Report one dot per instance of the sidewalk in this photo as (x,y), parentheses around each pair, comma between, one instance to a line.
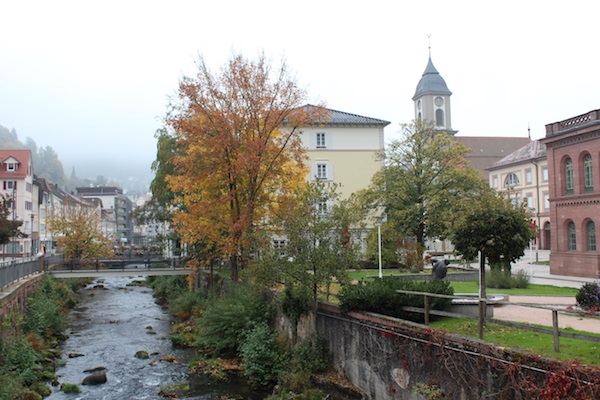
(517,308)
(540,274)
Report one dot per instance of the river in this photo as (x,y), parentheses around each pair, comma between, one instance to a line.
(111,323)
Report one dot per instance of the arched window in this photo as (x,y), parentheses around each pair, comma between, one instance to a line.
(569,182)
(439,117)
(511,181)
(591,236)
(572,238)
(588,173)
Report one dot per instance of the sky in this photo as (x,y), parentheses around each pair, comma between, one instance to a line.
(93,79)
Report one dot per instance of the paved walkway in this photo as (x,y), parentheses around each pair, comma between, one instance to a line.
(517,309)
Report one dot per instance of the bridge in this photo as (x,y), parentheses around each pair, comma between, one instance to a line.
(14,270)
(98,273)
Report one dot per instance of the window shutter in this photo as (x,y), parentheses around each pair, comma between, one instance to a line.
(15,185)
(4,185)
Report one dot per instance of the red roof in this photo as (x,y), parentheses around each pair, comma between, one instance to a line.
(22,158)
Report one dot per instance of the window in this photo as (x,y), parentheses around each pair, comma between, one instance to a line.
(321,140)
(495,181)
(11,167)
(28,206)
(569,182)
(10,185)
(572,238)
(29,187)
(279,246)
(322,171)
(529,200)
(516,199)
(511,181)
(546,201)
(588,173)
(528,177)
(439,117)
(322,208)
(545,174)
(591,236)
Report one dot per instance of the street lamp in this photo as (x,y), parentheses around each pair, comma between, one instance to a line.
(379,249)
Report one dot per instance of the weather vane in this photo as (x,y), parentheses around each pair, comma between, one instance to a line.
(429,45)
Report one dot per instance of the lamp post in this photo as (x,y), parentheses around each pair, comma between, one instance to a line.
(379,249)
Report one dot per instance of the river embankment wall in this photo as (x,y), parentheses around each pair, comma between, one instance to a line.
(13,299)
(389,358)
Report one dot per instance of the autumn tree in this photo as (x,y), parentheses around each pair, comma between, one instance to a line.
(9,228)
(79,233)
(236,158)
(424,176)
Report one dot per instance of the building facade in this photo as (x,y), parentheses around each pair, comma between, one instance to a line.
(344,149)
(117,212)
(523,176)
(16,183)
(573,147)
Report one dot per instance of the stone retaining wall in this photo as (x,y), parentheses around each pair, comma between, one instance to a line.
(388,358)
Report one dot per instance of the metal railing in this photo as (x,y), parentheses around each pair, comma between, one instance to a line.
(16,269)
(482,302)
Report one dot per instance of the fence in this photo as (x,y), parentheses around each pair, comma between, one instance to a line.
(555,332)
(17,269)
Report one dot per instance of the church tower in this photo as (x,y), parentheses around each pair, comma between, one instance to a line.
(432,99)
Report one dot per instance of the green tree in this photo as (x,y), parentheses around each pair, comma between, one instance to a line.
(8,227)
(424,176)
(322,235)
(493,225)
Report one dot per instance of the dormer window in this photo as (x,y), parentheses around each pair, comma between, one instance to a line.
(321,140)
(11,167)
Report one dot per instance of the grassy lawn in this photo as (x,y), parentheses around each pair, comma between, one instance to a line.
(532,342)
(473,287)
(532,290)
(537,343)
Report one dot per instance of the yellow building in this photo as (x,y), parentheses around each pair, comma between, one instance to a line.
(344,150)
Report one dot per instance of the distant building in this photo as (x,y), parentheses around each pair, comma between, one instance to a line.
(117,211)
(523,175)
(573,147)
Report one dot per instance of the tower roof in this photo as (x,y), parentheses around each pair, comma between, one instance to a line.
(431,83)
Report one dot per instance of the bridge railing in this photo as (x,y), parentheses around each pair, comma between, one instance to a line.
(64,264)
(16,269)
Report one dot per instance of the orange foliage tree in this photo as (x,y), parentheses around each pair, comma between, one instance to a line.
(79,233)
(238,132)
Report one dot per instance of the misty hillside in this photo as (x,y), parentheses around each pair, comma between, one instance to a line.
(47,164)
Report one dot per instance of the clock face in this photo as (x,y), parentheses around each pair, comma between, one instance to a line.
(439,101)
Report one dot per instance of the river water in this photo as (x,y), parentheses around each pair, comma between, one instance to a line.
(112,322)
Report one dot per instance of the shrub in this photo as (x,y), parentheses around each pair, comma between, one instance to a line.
(499,279)
(381,296)
(312,355)
(226,319)
(187,303)
(588,296)
(168,287)
(263,358)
